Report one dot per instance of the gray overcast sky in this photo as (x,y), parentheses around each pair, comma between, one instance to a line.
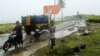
(12,10)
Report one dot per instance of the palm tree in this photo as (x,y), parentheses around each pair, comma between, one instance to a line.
(61,3)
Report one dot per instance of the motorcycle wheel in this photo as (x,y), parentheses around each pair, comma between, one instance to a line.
(6,46)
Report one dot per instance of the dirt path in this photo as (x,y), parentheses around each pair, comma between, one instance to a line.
(32,49)
(29,48)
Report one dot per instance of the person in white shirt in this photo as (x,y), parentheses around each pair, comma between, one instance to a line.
(52,36)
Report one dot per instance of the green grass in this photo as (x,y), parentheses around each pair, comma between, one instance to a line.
(93,45)
(59,22)
(92,42)
(4,28)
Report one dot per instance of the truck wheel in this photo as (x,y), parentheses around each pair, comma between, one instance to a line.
(28,32)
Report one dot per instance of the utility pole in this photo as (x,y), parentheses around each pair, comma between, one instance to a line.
(62,15)
(61,3)
(54,5)
(77,12)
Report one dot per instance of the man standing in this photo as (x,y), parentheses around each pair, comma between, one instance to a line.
(52,36)
(18,30)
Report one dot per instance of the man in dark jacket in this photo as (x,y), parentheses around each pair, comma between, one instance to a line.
(18,30)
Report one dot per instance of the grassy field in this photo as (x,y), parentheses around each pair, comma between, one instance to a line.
(4,28)
(59,21)
(92,42)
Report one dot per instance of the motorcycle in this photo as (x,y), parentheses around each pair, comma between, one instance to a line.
(10,42)
(35,35)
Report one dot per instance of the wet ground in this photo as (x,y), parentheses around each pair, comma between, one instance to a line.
(61,31)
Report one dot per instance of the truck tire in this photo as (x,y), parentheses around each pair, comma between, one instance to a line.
(28,32)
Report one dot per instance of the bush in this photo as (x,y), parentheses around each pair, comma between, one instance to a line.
(61,50)
(94,19)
